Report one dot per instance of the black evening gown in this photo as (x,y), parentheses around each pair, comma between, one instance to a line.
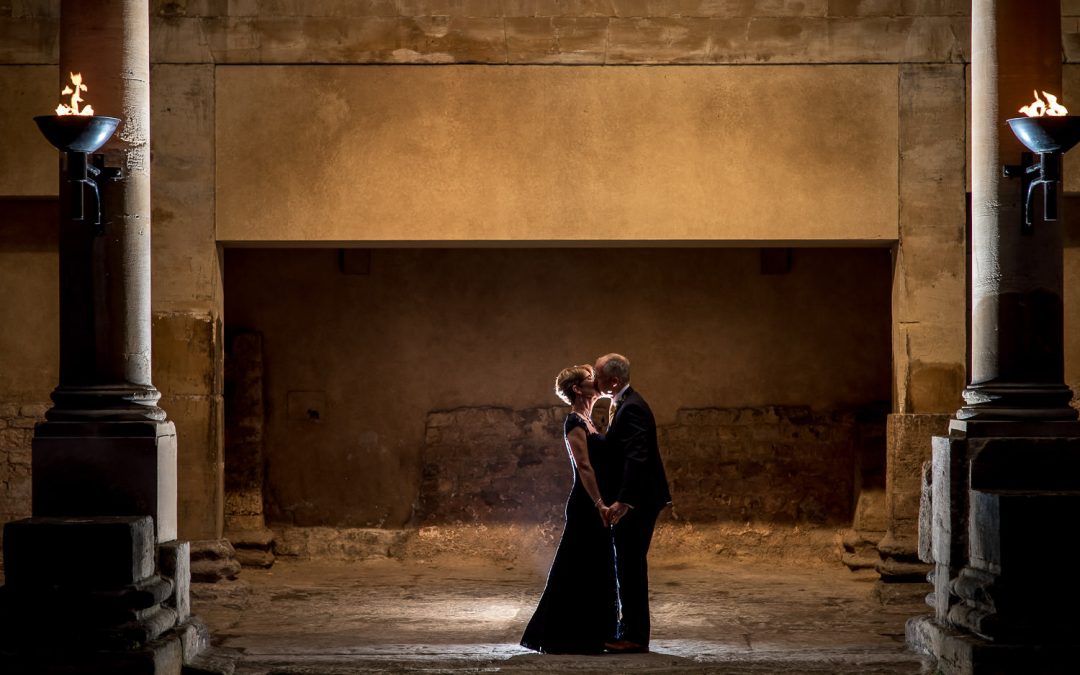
(578,610)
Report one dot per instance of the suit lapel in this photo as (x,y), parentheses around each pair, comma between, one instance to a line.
(625,398)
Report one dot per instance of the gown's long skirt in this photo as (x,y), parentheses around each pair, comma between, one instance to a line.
(578,610)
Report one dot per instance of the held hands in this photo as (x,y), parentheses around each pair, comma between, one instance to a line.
(616,511)
(605,513)
(611,515)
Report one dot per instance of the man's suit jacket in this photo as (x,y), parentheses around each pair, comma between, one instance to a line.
(636,471)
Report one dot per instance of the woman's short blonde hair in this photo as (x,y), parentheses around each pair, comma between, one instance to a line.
(569,378)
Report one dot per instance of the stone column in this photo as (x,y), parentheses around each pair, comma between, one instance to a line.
(101,546)
(1005,482)
(105,414)
(1017,339)
(105,277)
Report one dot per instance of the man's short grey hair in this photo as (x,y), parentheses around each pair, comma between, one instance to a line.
(616,365)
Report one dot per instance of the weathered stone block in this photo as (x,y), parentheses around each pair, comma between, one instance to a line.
(75,471)
(926,514)
(337,543)
(98,552)
(940,7)
(788,40)
(174,563)
(13,439)
(658,40)
(187,353)
(243,502)
(34,410)
(199,459)
(865,7)
(556,40)
(29,40)
(213,560)
(451,39)
(909,446)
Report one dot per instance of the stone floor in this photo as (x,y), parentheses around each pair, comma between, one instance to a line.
(456,616)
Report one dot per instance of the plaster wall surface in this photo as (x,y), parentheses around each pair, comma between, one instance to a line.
(27,91)
(476,153)
(354,364)
(29,286)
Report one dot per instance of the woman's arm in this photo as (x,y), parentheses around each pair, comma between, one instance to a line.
(579,451)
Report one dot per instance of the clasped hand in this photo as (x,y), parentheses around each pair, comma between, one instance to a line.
(612,514)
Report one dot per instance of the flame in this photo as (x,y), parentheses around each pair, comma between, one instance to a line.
(75,89)
(1051,107)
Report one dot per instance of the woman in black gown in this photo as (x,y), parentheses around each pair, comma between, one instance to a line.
(578,610)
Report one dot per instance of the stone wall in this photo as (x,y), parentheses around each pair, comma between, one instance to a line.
(780,465)
(17,420)
(494,465)
(773,464)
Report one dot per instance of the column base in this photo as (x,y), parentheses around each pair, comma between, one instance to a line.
(1017,402)
(213,561)
(161,657)
(106,469)
(94,595)
(105,403)
(960,653)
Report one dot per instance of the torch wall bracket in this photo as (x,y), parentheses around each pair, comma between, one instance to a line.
(1045,172)
(83,177)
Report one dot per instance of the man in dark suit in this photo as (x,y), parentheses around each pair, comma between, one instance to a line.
(637,492)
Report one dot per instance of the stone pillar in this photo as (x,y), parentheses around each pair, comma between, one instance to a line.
(1005,482)
(105,278)
(101,546)
(105,412)
(928,344)
(1017,338)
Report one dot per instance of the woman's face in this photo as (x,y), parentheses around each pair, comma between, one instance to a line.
(587,390)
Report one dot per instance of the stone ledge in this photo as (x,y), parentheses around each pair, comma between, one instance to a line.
(511,542)
(634,38)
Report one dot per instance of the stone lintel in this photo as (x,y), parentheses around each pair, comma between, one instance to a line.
(100,552)
(106,469)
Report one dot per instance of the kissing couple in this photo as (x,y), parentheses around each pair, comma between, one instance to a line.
(597,594)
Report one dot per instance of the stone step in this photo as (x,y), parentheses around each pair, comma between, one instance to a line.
(260,539)
(338,543)
(254,558)
(212,570)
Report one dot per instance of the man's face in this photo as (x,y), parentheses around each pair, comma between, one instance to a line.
(604,382)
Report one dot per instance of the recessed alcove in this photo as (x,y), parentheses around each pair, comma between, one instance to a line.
(412,387)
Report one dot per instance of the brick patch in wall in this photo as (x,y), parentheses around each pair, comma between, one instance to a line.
(494,465)
(786,465)
(774,464)
(17,422)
